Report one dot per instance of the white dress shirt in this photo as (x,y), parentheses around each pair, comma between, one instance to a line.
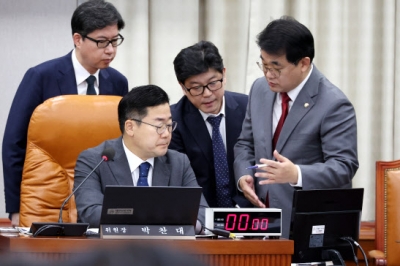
(81,74)
(134,163)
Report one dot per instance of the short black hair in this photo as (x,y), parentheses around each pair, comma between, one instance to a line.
(93,15)
(287,36)
(135,103)
(197,59)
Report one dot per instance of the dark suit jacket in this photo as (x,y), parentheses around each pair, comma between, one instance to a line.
(172,169)
(319,135)
(49,79)
(192,138)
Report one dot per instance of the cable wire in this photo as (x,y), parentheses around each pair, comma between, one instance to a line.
(352,248)
(45,227)
(359,246)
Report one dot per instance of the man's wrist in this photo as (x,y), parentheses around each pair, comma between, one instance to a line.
(238,184)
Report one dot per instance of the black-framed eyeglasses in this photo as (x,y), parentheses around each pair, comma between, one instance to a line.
(199,90)
(274,72)
(104,43)
(161,128)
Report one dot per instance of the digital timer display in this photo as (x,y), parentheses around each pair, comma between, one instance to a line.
(245,221)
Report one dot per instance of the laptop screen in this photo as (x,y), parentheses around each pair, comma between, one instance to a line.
(150,205)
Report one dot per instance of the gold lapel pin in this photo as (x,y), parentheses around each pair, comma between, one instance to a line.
(306,105)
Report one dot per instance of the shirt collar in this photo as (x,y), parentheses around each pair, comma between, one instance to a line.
(81,74)
(293,93)
(133,160)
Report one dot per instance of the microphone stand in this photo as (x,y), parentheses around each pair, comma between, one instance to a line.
(60,220)
(68,229)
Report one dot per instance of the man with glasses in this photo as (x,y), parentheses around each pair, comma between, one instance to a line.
(85,70)
(300,130)
(209,146)
(141,156)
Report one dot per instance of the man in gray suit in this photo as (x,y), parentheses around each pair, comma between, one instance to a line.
(146,124)
(317,144)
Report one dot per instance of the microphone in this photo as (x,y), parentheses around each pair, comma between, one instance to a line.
(107,154)
(70,229)
(221,232)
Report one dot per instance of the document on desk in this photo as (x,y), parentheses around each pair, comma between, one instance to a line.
(9,231)
(327,263)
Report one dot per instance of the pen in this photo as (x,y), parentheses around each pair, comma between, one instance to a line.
(256,166)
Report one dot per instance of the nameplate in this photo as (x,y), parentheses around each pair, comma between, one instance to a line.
(120,231)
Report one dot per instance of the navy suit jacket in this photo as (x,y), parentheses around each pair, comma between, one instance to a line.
(49,79)
(192,138)
(172,169)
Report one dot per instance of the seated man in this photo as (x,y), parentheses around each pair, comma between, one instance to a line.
(146,124)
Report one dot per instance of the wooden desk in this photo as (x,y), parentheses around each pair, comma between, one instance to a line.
(367,240)
(212,252)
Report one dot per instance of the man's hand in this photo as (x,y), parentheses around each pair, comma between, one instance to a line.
(15,219)
(246,184)
(280,171)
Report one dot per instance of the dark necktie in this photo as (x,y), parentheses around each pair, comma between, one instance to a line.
(220,164)
(143,173)
(90,85)
(285,111)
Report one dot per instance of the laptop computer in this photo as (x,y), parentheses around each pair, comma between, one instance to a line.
(130,205)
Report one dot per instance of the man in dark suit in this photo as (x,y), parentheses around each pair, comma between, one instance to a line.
(202,77)
(85,70)
(146,124)
(317,144)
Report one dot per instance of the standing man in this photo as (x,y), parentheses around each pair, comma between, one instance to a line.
(141,156)
(85,70)
(301,126)
(210,120)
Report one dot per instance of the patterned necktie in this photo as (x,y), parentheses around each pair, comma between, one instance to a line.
(220,164)
(285,111)
(90,85)
(143,173)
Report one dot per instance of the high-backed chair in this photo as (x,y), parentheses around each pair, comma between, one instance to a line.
(387,216)
(59,130)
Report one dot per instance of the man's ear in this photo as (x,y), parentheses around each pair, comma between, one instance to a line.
(77,38)
(184,90)
(305,63)
(224,75)
(130,127)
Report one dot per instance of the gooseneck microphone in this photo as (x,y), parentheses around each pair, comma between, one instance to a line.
(69,229)
(107,154)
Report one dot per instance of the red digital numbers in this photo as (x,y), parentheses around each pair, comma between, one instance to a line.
(243,224)
(230,222)
(256,225)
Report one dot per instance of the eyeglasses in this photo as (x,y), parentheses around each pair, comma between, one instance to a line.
(104,43)
(274,72)
(161,128)
(199,90)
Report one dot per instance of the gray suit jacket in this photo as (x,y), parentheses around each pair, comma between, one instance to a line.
(319,135)
(172,169)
